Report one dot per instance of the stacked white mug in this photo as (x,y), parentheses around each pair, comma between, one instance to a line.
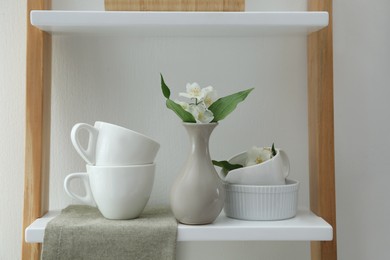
(120,169)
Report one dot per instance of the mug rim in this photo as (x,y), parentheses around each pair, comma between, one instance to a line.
(129,130)
(121,166)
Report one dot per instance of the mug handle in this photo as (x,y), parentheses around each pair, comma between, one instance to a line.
(88,198)
(286,163)
(87,154)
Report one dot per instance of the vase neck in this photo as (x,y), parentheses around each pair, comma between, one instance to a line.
(199,135)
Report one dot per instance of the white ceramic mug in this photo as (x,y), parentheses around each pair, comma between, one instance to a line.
(112,145)
(271,172)
(120,192)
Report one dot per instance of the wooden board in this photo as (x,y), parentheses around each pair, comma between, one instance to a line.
(38,74)
(321,130)
(175,5)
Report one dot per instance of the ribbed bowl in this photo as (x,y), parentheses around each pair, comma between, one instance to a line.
(271,202)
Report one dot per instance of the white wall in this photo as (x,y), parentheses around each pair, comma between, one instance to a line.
(12,114)
(362,127)
(276,67)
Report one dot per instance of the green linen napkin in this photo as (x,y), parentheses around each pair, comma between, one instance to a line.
(81,232)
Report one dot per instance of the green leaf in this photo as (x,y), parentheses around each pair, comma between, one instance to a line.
(226,166)
(225,105)
(184,115)
(273,150)
(165,90)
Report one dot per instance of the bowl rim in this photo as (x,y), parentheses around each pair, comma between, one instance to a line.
(291,184)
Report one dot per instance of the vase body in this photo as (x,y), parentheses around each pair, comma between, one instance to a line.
(197,195)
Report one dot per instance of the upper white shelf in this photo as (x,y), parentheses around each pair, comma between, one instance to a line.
(305,226)
(180,23)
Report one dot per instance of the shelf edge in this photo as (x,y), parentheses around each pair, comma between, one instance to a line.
(304,227)
(172,23)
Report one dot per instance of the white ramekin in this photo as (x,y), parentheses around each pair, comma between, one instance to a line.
(268,202)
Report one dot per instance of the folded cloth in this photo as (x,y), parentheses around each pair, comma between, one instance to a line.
(81,232)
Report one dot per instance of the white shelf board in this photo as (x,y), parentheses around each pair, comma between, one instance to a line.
(179,23)
(306,226)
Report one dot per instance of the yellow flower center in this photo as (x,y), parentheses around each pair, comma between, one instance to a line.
(259,160)
(201,116)
(208,101)
(195,91)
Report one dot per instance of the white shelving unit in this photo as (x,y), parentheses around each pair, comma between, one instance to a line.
(305,226)
(180,23)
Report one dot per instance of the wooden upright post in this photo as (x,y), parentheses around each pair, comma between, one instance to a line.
(38,77)
(321,129)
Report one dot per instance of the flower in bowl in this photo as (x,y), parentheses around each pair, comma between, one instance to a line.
(257,166)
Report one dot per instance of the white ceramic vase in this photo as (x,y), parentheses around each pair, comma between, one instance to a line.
(197,195)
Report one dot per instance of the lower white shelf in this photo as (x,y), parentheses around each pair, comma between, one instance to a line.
(306,226)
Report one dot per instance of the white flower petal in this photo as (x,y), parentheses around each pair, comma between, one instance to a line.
(251,156)
(193,110)
(200,113)
(205,117)
(182,94)
(210,96)
(207,89)
(184,105)
(194,90)
(258,155)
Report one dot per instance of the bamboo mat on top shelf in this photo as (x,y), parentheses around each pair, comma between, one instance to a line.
(175,5)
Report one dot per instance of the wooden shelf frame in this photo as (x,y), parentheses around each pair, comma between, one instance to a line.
(320,120)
